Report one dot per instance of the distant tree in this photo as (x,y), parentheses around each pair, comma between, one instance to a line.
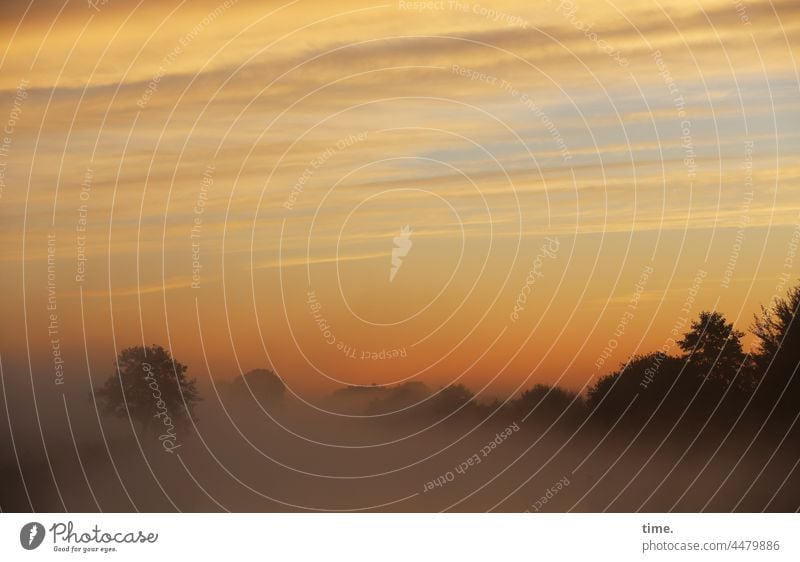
(262,384)
(714,348)
(398,397)
(449,399)
(353,399)
(151,388)
(546,403)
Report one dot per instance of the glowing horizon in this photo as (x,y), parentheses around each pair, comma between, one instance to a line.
(189,175)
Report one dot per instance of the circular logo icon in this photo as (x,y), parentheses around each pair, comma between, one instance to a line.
(31,535)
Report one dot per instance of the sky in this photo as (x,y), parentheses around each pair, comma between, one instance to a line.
(498,193)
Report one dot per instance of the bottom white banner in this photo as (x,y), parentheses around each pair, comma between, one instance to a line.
(355,537)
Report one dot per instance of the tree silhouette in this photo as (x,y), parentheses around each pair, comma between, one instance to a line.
(151,388)
(779,356)
(263,385)
(453,398)
(638,387)
(776,329)
(398,397)
(714,347)
(545,404)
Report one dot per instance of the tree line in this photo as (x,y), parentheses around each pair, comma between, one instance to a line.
(712,382)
